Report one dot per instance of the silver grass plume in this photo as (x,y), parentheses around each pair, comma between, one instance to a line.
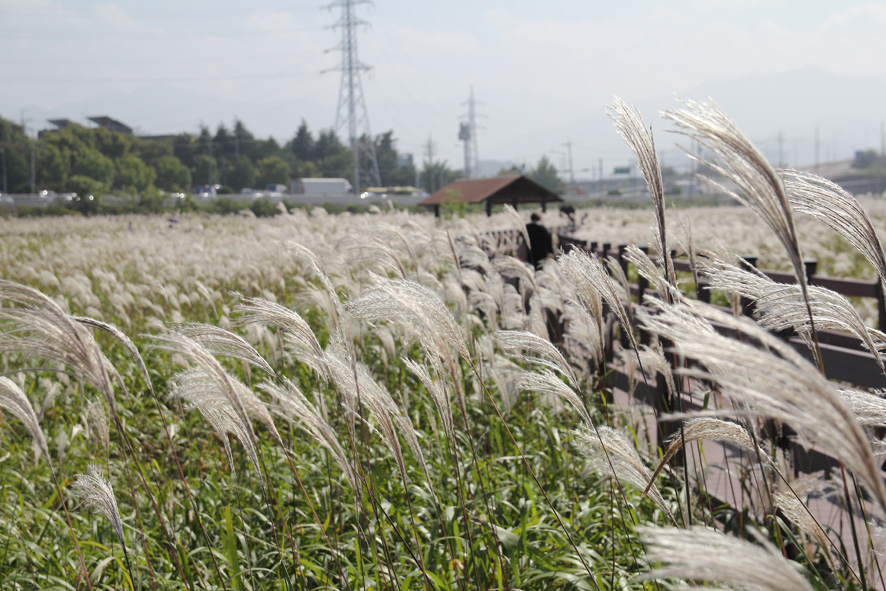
(438,392)
(364,258)
(405,241)
(95,411)
(798,514)
(648,269)
(473,257)
(320,270)
(783,385)
(518,222)
(417,309)
(630,126)
(296,330)
(125,340)
(583,329)
(390,419)
(610,452)
(869,409)
(828,202)
(546,353)
(52,391)
(223,343)
(652,359)
(781,306)
(37,326)
(514,267)
(14,401)
(201,391)
(293,406)
(456,262)
(618,272)
(704,428)
(212,369)
(708,555)
(760,187)
(592,282)
(97,493)
(547,382)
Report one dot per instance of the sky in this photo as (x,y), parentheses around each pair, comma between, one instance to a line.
(542,72)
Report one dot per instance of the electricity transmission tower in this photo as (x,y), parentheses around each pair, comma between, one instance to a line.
(350,97)
(467,133)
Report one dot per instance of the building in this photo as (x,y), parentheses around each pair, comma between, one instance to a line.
(111,124)
(512,190)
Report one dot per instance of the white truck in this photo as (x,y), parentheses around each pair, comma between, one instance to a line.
(311,186)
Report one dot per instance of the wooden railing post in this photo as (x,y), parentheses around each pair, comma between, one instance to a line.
(622,261)
(881,305)
(810,266)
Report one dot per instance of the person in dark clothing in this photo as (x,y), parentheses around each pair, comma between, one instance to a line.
(540,243)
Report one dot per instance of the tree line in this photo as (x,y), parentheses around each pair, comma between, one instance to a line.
(97,161)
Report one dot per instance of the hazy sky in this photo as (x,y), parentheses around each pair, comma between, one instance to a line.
(543,71)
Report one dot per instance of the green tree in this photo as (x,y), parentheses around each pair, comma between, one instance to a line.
(52,166)
(151,150)
(184,147)
(15,157)
(302,144)
(89,162)
(545,174)
(133,175)
(242,174)
(112,144)
(273,171)
(436,175)
(172,175)
(205,170)
(305,170)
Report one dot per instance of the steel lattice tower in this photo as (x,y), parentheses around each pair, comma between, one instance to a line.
(350,97)
(467,133)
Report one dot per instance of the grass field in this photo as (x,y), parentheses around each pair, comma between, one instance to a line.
(371,401)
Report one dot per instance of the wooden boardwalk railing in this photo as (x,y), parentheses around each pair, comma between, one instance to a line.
(844,359)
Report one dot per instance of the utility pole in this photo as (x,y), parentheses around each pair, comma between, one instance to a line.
(350,96)
(469,129)
(568,145)
(780,149)
(600,178)
(882,139)
(25,131)
(33,163)
(429,164)
(816,150)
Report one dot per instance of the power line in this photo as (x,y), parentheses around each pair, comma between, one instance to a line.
(62,61)
(43,35)
(114,79)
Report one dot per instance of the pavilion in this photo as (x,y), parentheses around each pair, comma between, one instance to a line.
(512,190)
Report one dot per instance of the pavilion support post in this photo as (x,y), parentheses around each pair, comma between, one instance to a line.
(544,204)
(436,211)
(488,207)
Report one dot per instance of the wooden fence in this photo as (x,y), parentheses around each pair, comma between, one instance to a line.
(843,356)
